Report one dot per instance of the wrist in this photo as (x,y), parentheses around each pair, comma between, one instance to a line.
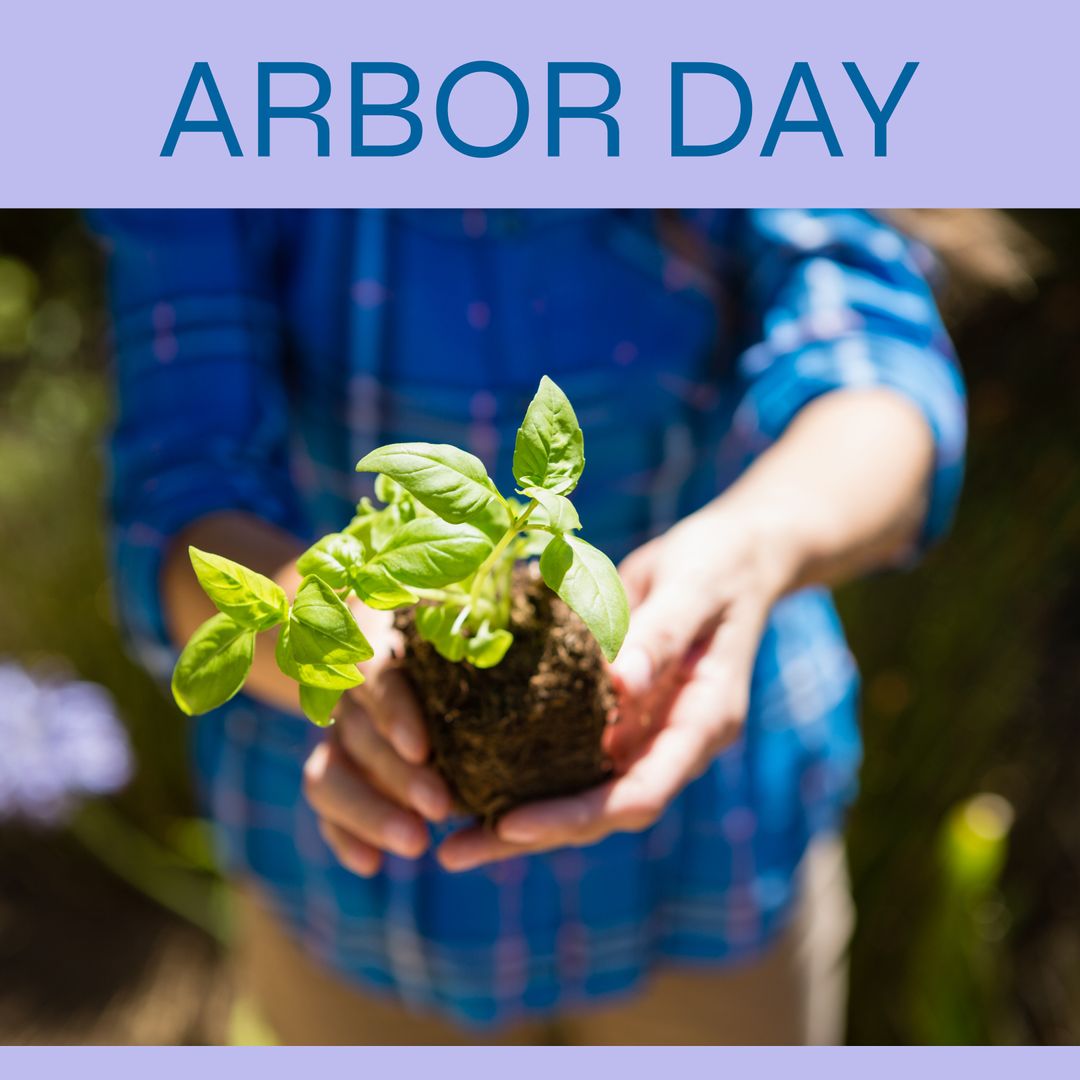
(777,548)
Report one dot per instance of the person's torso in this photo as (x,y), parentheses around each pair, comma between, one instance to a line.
(437,326)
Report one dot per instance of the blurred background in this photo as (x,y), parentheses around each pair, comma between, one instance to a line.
(965,843)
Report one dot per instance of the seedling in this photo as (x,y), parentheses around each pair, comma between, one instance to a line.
(444,540)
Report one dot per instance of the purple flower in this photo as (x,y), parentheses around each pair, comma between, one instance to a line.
(60,741)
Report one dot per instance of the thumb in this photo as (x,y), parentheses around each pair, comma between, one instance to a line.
(663,630)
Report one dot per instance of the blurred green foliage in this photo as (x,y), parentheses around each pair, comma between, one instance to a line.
(56,609)
(955,976)
(970,665)
(953,658)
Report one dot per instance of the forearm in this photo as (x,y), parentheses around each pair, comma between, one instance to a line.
(843,491)
(256,544)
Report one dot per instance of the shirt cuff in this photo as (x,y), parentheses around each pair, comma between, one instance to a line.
(925,375)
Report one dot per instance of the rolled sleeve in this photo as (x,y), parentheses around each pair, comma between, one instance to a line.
(202,417)
(839,301)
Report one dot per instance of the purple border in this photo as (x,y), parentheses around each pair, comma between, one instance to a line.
(537,1063)
(87,92)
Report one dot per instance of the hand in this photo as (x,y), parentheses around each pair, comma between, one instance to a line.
(368,781)
(700,596)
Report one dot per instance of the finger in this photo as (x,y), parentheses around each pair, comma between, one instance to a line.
(662,631)
(701,705)
(411,785)
(717,693)
(714,702)
(638,722)
(636,571)
(338,793)
(725,666)
(351,852)
(470,848)
(396,712)
(629,803)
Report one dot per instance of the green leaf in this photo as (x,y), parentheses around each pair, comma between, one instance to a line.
(430,553)
(437,626)
(532,543)
(487,647)
(322,676)
(587,581)
(549,451)
(248,598)
(378,589)
(213,665)
(555,511)
(448,481)
(329,676)
(360,526)
(319,705)
(322,630)
(332,558)
(374,528)
(388,490)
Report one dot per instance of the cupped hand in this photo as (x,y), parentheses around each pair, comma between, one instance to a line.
(369,781)
(700,596)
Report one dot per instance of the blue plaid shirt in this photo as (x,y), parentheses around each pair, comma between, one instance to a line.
(259,355)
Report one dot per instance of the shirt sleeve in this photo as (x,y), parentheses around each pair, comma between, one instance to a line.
(202,420)
(838,299)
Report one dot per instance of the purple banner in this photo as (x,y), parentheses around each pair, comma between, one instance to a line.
(538,1062)
(89,92)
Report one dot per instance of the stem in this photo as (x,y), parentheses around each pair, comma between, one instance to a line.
(504,541)
(505,590)
(440,596)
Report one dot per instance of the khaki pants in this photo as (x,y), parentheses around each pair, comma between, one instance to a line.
(795,993)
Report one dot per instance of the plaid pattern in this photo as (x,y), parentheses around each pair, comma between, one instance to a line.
(260,354)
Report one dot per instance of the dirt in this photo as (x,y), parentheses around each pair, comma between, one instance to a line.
(529,728)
